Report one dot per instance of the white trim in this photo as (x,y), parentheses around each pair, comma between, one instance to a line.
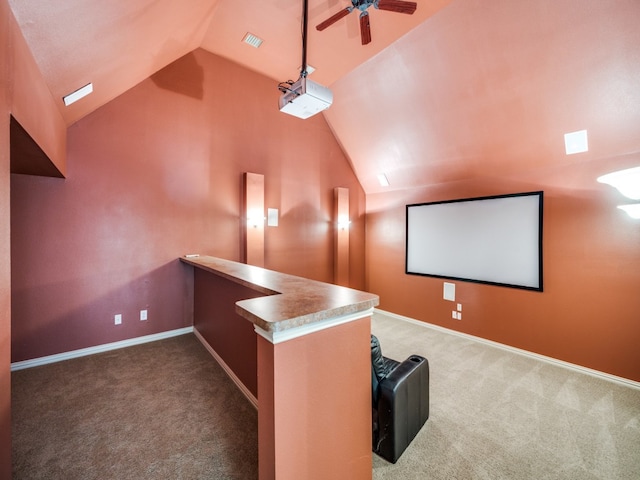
(309,328)
(83,352)
(247,393)
(571,366)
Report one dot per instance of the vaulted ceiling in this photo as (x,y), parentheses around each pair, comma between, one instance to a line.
(460,89)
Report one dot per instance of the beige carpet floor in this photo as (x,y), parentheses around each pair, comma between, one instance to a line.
(500,415)
(166,410)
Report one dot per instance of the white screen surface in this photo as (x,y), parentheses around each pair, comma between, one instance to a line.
(495,240)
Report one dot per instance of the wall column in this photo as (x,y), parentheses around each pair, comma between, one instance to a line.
(341,225)
(314,405)
(254,218)
(5,244)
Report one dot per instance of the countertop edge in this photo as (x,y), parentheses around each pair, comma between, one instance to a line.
(290,301)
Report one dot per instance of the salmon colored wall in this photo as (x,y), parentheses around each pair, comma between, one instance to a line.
(5,264)
(317,393)
(32,104)
(588,312)
(253,207)
(24,95)
(153,175)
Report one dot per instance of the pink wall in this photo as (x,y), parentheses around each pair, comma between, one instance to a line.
(314,420)
(587,314)
(32,104)
(153,175)
(5,265)
(23,94)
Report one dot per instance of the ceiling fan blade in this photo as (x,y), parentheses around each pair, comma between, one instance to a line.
(365,28)
(399,6)
(334,18)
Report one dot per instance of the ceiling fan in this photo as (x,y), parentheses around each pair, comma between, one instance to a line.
(398,6)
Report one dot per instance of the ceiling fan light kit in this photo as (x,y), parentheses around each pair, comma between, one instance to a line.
(398,6)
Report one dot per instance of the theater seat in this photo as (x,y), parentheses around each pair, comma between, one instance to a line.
(400,395)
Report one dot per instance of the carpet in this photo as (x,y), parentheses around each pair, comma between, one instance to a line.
(495,414)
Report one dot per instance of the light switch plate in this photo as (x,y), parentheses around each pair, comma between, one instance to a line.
(272,217)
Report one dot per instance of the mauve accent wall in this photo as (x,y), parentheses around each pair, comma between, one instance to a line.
(588,312)
(231,336)
(153,175)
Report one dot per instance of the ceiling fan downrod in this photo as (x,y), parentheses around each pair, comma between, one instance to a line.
(305,21)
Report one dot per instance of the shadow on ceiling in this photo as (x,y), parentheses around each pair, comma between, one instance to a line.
(184,76)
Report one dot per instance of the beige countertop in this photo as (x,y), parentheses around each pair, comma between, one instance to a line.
(289,301)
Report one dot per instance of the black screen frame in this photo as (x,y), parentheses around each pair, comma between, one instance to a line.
(540,205)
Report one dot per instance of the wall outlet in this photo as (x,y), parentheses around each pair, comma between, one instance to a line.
(117,318)
(143,315)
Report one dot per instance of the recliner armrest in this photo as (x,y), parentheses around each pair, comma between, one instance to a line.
(403,406)
(402,371)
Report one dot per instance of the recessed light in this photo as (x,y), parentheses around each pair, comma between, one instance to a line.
(78,94)
(576,142)
(251,39)
(382,178)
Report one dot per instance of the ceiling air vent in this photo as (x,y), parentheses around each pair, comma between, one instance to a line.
(252,40)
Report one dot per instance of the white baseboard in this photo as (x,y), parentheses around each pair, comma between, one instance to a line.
(577,368)
(247,393)
(59,357)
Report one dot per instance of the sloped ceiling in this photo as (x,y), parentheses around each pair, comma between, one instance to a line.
(489,88)
(460,89)
(116,44)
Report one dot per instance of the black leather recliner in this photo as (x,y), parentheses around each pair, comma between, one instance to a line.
(400,394)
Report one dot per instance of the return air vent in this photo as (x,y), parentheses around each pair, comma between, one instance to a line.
(252,40)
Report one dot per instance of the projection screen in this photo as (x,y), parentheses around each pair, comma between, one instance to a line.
(495,240)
